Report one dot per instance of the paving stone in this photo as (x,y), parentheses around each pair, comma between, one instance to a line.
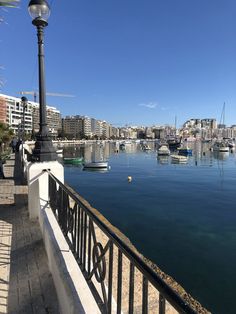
(26,285)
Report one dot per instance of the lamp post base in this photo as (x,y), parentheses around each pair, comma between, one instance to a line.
(44,150)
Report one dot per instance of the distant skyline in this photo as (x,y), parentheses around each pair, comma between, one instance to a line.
(128,62)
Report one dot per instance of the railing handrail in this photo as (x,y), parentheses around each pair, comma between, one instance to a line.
(166,290)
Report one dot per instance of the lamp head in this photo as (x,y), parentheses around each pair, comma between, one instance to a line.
(40,11)
(24,99)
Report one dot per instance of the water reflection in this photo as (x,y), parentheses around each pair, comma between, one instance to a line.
(96,169)
(221,155)
(102,151)
(163,160)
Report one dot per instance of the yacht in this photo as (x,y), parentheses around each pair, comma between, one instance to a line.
(163,150)
(179,159)
(185,151)
(220,146)
(96,164)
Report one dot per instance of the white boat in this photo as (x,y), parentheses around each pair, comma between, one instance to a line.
(231,144)
(220,146)
(128,142)
(96,165)
(59,151)
(146,147)
(163,150)
(179,158)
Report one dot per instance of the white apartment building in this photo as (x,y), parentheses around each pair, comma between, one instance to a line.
(12,113)
(86,127)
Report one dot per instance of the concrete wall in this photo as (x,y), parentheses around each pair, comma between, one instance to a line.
(73,293)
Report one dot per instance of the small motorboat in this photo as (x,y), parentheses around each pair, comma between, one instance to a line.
(185,151)
(179,159)
(231,144)
(146,147)
(163,150)
(59,151)
(221,146)
(122,146)
(73,160)
(96,165)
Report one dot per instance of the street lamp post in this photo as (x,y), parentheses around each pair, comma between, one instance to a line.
(39,10)
(24,101)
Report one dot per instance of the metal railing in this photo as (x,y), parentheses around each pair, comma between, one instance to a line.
(121,279)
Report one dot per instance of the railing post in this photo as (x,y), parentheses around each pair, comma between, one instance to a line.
(38,184)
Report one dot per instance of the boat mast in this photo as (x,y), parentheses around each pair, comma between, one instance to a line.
(175,124)
(222,117)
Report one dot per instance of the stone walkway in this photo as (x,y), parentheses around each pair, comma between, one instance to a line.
(26,285)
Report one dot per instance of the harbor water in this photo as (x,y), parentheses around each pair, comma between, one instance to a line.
(180,216)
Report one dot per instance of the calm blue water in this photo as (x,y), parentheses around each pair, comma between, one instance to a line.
(182,217)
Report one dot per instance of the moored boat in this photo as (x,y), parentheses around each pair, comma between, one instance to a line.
(96,164)
(59,151)
(231,144)
(185,151)
(73,160)
(122,146)
(163,150)
(220,146)
(179,159)
(146,147)
(174,143)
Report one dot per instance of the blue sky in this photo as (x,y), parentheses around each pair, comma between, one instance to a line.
(128,62)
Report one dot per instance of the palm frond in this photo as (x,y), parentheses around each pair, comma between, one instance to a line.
(9,3)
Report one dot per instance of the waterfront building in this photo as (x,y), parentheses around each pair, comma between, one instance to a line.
(133,133)
(86,127)
(3,110)
(11,112)
(199,128)
(149,133)
(86,130)
(209,123)
(233,131)
(115,132)
(196,123)
(53,119)
(124,132)
(140,133)
(72,126)
(98,130)
(159,132)
(93,126)
(106,130)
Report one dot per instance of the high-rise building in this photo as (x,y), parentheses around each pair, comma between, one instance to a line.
(12,113)
(12,109)
(3,110)
(86,127)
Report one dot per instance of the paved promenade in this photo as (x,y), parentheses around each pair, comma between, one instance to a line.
(26,284)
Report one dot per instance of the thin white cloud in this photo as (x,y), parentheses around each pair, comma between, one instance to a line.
(150,105)
(164,108)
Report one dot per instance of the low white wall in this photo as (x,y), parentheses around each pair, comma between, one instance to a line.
(73,293)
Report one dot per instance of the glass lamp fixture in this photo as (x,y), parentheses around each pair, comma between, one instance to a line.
(39,10)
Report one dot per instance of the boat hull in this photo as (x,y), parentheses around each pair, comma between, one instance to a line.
(185,152)
(179,159)
(72,161)
(96,165)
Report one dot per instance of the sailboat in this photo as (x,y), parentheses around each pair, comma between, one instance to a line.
(222,118)
(220,145)
(174,142)
(96,164)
